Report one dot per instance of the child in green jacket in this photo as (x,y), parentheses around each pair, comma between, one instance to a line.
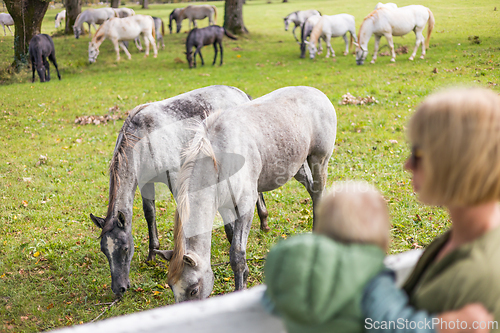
(324,282)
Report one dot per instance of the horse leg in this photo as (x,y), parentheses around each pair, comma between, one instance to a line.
(221,52)
(391,45)
(138,44)
(329,47)
(419,38)
(201,57)
(53,59)
(153,44)
(33,67)
(293,32)
(318,165)
(124,48)
(320,48)
(4,32)
(9,30)
(262,211)
(304,177)
(147,41)
(237,251)
(148,206)
(346,40)
(375,51)
(47,68)
(215,50)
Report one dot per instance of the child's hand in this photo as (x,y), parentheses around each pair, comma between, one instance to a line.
(473,316)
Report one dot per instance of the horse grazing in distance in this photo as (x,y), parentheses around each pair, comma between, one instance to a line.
(332,26)
(148,151)
(307,28)
(40,48)
(6,20)
(174,15)
(205,36)
(197,12)
(235,154)
(59,17)
(160,31)
(124,29)
(388,5)
(298,18)
(394,22)
(92,17)
(124,12)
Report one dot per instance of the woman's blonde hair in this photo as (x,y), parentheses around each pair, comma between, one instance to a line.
(354,212)
(458,134)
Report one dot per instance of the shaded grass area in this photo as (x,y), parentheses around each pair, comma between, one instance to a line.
(52,272)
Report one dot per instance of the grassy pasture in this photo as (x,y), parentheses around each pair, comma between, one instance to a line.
(52,272)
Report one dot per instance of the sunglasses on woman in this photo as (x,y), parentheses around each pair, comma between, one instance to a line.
(416,155)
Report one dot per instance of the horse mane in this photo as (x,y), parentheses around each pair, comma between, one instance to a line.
(126,140)
(181,14)
(316,32)
(199,144)
(369,16)
(77,21)
(98,37)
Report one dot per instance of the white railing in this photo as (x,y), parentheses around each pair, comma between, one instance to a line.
(239,311)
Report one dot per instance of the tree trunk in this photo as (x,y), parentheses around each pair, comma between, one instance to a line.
(73,9)
(233,17)
(145,4)
(27,16)
(285,0)
(115,3)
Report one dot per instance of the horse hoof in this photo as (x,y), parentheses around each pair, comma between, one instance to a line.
(265,228)
(411,59)
(372,62)
(346,53)
(394,60)
(421,57)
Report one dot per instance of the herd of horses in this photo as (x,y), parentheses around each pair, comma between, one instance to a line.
(387,20)
(215,148)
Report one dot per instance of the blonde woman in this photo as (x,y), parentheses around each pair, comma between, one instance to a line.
(455,162)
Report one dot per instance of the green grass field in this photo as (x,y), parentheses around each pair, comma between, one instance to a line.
(52,272)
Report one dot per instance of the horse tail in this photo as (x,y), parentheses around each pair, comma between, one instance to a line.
(228,34)
(199,144)
(153,30)
(430,26)
(316,31)
(215,14)
(162,28)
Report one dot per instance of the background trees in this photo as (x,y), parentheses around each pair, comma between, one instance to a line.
(27,16)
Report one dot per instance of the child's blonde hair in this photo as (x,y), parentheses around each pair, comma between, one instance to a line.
(354,212)
(458,134)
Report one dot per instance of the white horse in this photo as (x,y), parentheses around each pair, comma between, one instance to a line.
(388,5)
(92,16)
(197,12)
(298,18)
(394,22)
(59,17)
(332,26)
(124,12)
(6,20)
(124,29)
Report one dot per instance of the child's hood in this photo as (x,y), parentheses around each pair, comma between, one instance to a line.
(310,278)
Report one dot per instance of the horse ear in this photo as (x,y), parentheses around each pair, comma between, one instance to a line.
(98,221)
(164,254)
(121,220)
(190,260)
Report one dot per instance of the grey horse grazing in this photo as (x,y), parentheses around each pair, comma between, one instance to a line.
(174,15)
(205,36)
(147,151)
(298,18)
(197,12)
(42,47)
(235,154)
(92,17)
(6,20)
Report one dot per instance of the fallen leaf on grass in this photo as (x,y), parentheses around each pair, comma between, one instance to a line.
(350,99)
